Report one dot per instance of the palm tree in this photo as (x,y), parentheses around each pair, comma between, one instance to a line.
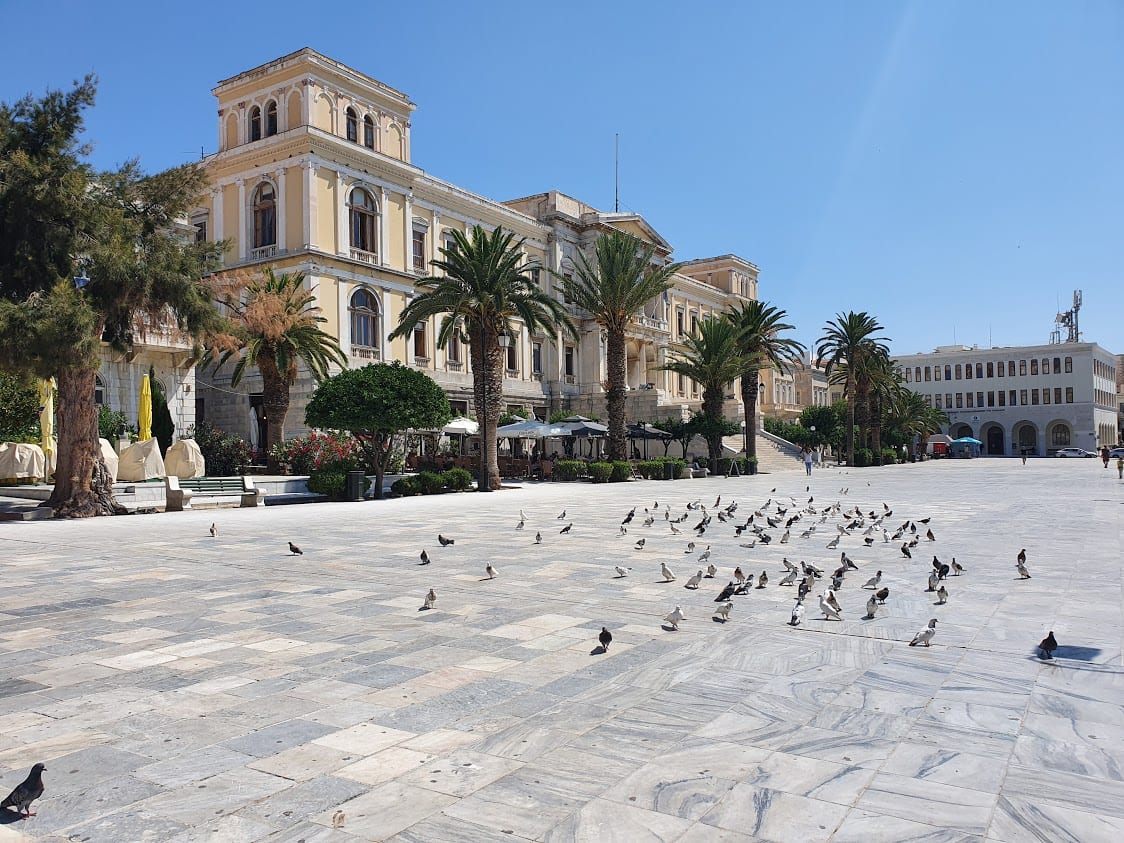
(884,386)
(273,324)
(758,325)
(710,358)
(613,288)
(844,344)
(484,286)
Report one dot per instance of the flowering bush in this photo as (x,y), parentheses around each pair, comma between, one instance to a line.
(334,450)
(225,453)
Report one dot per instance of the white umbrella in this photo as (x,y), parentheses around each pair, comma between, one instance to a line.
(255,429)
(530,429)
(462,425)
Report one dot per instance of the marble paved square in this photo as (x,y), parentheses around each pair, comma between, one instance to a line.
(183,688)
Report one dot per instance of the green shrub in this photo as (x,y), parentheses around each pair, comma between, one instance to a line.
(457,479)
(863,457)
(225,453)
(650,469)
(889,456)
(621,472)
(330,483)
(112,424)
(405,486)
(600,472)
(431,483)
(569,470)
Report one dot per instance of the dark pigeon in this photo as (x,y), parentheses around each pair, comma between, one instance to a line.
(296,551)
(27,792)
(606,638)
(444,542)
(1046,646)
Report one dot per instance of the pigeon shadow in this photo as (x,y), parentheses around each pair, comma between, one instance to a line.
(668,628)
(423,608)
(598,651)
(1071,653)
(717,619)
(8,816)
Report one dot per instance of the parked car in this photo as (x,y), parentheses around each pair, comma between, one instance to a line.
(1116,452)
(1073,452)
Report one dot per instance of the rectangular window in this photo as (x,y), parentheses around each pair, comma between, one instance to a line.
(536,277)
(683,384)
(1034,397)
(536,358)
(1069,365)
(1045,396)
(201,231)
(1000,370)
(418,242)
(938,398)
(936,373)
(947,372)
(1034,366)
(979,370)
(1057,395)
(948,400)
(420,346)
(694,325)
(1022,397)
(958,371)
(928,400)
(1069,395)
(990,399)
(1045,365)
(453,349)
(679,327)
(990,368)
(979,399)
(928,376)
(959,400)
(1002,398)
(1022,368)
(967,371)
(569,361)
(971,401)
(1011,398)
(513,355)
(917,373)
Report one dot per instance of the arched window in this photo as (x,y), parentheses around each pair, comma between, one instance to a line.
(352,126)
(368,132)
(270,119)
(361,209)
(364,321)
(265,216)
(1060,437)
(99,391)
(255,123)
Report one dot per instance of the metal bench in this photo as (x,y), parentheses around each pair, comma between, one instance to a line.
(248,494)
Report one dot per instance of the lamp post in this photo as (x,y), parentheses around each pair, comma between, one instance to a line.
(485,484)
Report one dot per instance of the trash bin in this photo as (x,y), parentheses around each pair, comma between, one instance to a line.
(669,470)
(353,490)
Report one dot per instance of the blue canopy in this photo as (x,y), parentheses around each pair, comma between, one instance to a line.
(967,440)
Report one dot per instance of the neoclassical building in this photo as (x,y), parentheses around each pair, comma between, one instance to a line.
(314,174)
(1034,398)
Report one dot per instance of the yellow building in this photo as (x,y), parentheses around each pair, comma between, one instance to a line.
(313,174)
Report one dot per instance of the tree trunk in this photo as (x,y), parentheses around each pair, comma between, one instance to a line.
(616,376)
(275,402)
(876,431)
(487,412)
(382,450)
(83,488)
(850,443)
(749,406)
(712,407)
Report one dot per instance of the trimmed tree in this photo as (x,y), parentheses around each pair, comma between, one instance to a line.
(163,428)
(377,403)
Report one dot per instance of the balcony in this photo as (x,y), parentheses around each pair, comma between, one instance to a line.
(645,321)
(511,373)
(366,352)
(263,252)
(454,366)
(421,362)
(364,257)
(569,379)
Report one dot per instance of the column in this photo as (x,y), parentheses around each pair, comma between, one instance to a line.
(342,243)
(279,175)
(435,238)
(308,207)
(384,226)
(408,232)
(344,332)
(217,202)
(243,248)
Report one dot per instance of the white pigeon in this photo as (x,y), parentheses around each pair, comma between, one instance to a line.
(621,572)
(430,600)
(490,570)
(797,613)
(711,571)
(871,606)
(925,635)
(522,515)
(829,611)
(723,610)
(675,617)
(1023,572)
(873,581)
(694,580)
(833,600)
(666,572)
(624,530)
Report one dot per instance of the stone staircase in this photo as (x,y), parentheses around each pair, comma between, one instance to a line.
(772,456)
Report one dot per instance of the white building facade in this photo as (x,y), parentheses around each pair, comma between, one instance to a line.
(1033,399)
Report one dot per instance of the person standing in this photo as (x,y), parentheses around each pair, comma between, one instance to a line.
(1120,467)
(807,453)
(1104,455)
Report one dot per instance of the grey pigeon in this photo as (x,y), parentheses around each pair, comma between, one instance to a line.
(28,791)
(430,600)
(724,595)
(1047,646)
(424,558)
(567,528)
(942,595)
(444,542)
(538,538)
(296,551)
(606,638)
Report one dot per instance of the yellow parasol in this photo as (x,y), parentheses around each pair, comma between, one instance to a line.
(47,418)
(144,412)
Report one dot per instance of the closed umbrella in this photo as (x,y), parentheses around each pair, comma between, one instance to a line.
(144,412)
(47,419)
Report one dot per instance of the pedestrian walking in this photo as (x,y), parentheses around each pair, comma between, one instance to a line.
(1104,455)
(1120,467)
(807,454)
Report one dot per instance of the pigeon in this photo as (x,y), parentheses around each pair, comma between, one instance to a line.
(640,544)
(1022,556)
(666,572)
(763,580)
(561,517)
(444,542)
(296,551)
(490,570)
(882,594)
(690,547)
(214,531)
(934,580)
(424,558)
(788,565)
(905,551)
(723,611)
(717,501)
(538,538)
(805,588)
(649,521)
(567,528)
(624,530)
(338,819)
(1021,565)
(621,572)
(957,568)
(925,635)
(31,789)
(873,581)
(521,524)
(829,612)
(693,581)
(675,531)
(833,601)
(725,593)
(1046,646)
(784,538)
(705,554)
(606,638)
(711,571)
(847,562)
(430,600)
(834,543)
(790,577)
(739,575)
(929,535)
(942,595)
(871,606)
(522,515)
(797,614)
(628,518)
(675,617)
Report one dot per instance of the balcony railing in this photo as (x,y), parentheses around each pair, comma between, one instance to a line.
(366,352)
(571,379)
(421,361)
(263,252)
(364,257)
(454,366)
(650,322)
(511,373)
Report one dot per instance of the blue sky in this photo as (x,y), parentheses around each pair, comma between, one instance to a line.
(954,168)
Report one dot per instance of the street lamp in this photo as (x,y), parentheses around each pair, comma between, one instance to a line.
(485,484)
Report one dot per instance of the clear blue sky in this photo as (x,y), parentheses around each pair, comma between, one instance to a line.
(955,168)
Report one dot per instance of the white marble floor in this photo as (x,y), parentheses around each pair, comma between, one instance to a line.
(181,688)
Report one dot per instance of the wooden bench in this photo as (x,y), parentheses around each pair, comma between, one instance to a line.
(243,487)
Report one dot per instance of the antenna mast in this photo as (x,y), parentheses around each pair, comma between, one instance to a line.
(1069,321)
(617,173)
